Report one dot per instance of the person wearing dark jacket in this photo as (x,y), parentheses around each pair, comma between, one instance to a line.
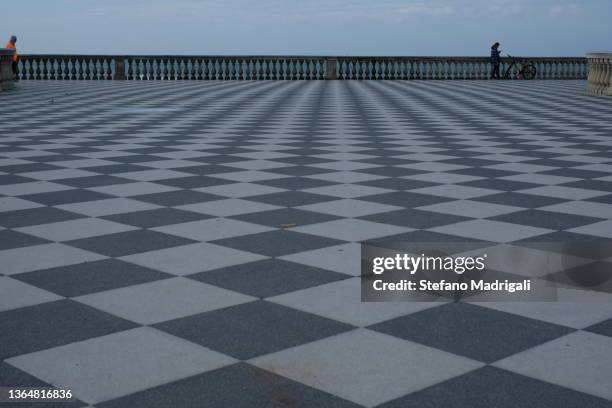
(495,61)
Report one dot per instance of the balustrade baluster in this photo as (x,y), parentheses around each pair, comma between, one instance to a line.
(43,69)
(30,72)
(248,69)
(87,69)
(94,69)
(37,70)
(107,73)
(213,69)
(206,70)
(60,69)
(156,69)
(77,69)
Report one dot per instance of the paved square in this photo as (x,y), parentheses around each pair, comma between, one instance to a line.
(196,243)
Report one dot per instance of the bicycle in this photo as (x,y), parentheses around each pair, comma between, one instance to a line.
(526,70)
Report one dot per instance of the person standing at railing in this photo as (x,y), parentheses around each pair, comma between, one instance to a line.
(11,45)
(495,61)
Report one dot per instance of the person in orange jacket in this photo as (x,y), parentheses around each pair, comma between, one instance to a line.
(11,45)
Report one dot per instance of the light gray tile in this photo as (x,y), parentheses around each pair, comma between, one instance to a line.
(193,258)
(228,207)
(591,209)
(75,229)
(349,208)
(599,229)
(345,177)
(350,229)
(239,190)
(468,208)
(152,175)
(108,206)
(15,203)
(347,190)
(455,191)
(212,229)
(35,187)
(133,189)
(119,364)
(568,193)
(581,361)
(344,258)
(162,300)
(366,367)
(248,176)
(15,294)
(342,301)
(443,178)
(48,175)
(43,256)
(494,231)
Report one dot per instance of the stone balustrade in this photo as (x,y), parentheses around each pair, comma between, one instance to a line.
(6,70)
(106,67)
(600,74)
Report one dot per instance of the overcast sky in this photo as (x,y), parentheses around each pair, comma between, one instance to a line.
(301,27)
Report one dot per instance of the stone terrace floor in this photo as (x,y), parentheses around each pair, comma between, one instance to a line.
(144,263)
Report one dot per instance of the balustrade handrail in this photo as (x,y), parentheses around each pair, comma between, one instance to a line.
(275,67)
(303,57)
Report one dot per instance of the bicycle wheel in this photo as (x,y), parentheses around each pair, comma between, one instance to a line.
(528,71)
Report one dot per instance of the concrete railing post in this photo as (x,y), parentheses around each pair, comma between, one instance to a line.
(7,78)
(119,68)
(330,68)
(600,74)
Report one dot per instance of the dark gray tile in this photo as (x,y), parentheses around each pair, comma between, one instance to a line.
(176,198)
(277,243)
(94,181)
(269,277)
(53,324)
(496,184)
(415,218)
(35,216)
(406,199)
(472,331)
(292,198)
(490,387)
(398,184)
(66,197)
(29,167)
(206,169)
(519,200)
(296,183)
(157,217)
(285,216)
(193,182)
(236,386)
(117,168)
(130,242)
(13,377)
(603,328)
(596,276)
(12,239)
(253,329)
(90,277)
(546,219)
(12,179)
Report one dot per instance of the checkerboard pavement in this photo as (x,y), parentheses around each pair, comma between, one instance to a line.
(180,244)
